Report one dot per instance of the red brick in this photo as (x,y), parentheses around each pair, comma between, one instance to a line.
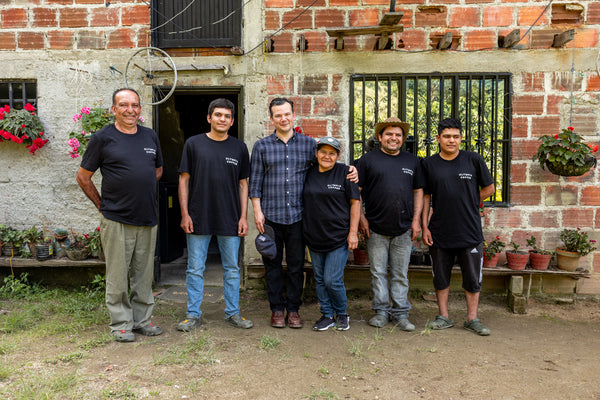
(430,16)
(338,132)
(578,218)
(306,3)
(364,17)
(585,123)
(272,20)
(463,16)
(89,39)
(282,43)
(73,17)
(121,39)
(329,18)
(279,3)
(316,41)
(302,105)
(543,219)
(504,217)
(553,103)
(407,18)
(593,14)
(527,15)
(336,82)
(44,17)
(297,20)
(519,127)
(524,149)
(480,40)
(61,40)
(593,83)
(135,14)
(104,16)
(344,3)
(544,126)
(143,38)
(586,37)
(314,127)
(561,195)
(539,175)
(326,106)
(528,105)
(518,172)
(315,84)
(30,40)
(7,41)
(376,2)
(533,82)
(413,39)
(279,84)
(497,16)
(526,195)
(562,81)
(447,2)
(13,18)
(91,2)
(590,196)
(597,220)
(476,1)
(59,2)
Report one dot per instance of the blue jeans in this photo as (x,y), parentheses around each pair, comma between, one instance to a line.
(328,270)
(395,252)
(197,251)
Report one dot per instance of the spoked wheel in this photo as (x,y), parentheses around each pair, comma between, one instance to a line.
(152,73)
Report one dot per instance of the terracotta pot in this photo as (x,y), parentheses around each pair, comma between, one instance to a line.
(518,260)
(491,262)
(360,256)
(539,261)
(567,260)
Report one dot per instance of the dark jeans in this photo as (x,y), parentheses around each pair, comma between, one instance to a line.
(292,238)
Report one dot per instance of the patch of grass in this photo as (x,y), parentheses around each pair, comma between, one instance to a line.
(99,341)
(66,358)
(322,394)
(5,372)
(162,309)
(43,385)
(6,347)
(119,390)
(198,350)
(268,342)
(355,347)
(323,371)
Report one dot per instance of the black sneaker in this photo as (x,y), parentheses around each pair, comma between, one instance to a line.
(323,324)
(342,322)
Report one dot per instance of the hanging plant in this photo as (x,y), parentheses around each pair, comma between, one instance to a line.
(91,120)
(566,153)
(22,126)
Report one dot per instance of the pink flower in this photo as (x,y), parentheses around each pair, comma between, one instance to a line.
(76,117)
(85,110)
(141,118)
(29,107)
(74,143)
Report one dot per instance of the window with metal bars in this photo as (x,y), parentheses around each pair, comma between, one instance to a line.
(196,23)
(18,93)
(482,102)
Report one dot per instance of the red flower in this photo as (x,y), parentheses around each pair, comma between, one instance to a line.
(6,108)
(29,107)
(298,129)
(498,237)
(571,128)
(98,229)
(23,126)
(556,136)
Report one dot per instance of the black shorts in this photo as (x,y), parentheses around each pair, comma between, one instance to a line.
(469,259)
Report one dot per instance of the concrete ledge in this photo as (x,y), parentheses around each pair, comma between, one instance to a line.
(51,263)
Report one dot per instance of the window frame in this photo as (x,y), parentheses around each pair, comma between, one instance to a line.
(18,103)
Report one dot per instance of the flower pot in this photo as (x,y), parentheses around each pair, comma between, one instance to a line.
(571,169)
(539,261)
(517,260)
(9,250)
(77,254)
(43,252)
(360,256)
(567,260)
(491,262)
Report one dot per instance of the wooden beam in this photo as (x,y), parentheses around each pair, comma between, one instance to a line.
(511,39)
(391,18)
(364,30)
(563,38)
(445,42)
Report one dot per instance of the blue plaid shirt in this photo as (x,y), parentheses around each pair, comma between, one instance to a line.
(277,172)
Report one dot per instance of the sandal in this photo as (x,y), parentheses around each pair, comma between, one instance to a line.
(440,322)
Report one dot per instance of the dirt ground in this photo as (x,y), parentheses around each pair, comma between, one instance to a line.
(550,353)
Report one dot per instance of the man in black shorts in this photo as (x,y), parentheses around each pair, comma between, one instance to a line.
(457,181)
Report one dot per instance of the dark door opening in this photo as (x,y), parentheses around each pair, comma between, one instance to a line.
(182,116)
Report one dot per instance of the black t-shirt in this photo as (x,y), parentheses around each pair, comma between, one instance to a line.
(216,169)
(128,165)
(326,197)
(387,184)
(454,188)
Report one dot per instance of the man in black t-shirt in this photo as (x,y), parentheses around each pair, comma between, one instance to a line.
(130,160)
(391,184)
(457,181)
(213,195)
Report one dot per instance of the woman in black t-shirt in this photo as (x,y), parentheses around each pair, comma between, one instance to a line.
(330,223)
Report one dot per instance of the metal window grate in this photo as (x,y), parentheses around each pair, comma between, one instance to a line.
(203,23)
(18,93)
(481,101)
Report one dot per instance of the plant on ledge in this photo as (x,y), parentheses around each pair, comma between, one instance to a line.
(566,153)
(22,126)
(91,120)
(576,241)
(494,247)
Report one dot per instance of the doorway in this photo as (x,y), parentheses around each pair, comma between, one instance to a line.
(182,116)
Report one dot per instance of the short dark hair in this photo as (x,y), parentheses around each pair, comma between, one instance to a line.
(449,123)
(279,101)
(114,96)
(221,103)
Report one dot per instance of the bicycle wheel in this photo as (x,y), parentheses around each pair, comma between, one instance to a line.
(152,73)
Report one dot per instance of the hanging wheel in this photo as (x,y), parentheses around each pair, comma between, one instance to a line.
(152,73)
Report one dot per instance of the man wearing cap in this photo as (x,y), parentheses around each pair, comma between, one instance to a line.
(209,161)
(391,184)
(330,223)
(456,182)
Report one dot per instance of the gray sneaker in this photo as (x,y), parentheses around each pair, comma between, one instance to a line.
(379,320)
(476,326)
(148,330)
(239,322)
(189,324)
(404,324)
(123,335)
(440,322)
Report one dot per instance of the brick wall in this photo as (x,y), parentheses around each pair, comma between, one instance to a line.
(73,24)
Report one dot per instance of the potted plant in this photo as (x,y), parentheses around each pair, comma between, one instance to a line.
(538,258)
(92,120)
(78,249)
(491,252)
(95,244)
(566,153)
(22,126)
(576,245)
(32,237)
(13,240)
(360,252)
(516,259)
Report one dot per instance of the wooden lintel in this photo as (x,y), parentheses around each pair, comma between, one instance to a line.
(391,18)
(364,30)
(383,41)
(563,38)
(445,42)
(511,39)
